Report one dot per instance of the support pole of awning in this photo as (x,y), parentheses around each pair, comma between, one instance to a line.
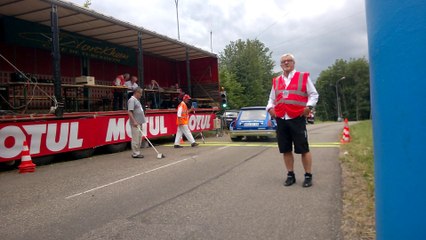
(56,61)
(141,80)
(188,72)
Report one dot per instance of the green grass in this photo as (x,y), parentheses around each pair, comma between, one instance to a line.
(359,155)
(358,221)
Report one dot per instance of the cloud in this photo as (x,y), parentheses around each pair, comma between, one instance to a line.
(317,32)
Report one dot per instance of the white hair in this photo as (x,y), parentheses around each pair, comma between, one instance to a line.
(288,55)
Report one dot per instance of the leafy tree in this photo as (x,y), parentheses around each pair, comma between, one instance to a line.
(229,81)
(87,3)
(246,72)
(354,90)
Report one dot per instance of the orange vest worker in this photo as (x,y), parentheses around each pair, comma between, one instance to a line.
(183,120)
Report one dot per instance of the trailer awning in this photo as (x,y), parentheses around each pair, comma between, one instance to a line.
(86,22)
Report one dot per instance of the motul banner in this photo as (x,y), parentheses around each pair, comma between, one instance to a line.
(46,137)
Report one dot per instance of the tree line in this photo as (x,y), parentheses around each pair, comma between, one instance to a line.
(350,80)
(246,72)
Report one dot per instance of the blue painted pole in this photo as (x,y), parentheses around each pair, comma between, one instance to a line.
(397,53)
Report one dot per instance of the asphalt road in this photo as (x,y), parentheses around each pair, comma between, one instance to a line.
(219,190)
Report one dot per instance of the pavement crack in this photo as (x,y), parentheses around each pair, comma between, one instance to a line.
(130,218)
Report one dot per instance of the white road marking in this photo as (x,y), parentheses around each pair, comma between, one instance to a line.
(260,144)
(130,177)
(223,148)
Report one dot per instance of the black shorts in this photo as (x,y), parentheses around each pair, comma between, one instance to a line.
(292,131)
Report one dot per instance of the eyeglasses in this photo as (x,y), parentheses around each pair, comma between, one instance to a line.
(287,61)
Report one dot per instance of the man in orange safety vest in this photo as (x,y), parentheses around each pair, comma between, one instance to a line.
(182,123)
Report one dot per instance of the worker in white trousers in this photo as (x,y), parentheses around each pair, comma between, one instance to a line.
(182,123)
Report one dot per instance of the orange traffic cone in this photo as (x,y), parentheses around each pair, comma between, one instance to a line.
(346,136)
(27,164)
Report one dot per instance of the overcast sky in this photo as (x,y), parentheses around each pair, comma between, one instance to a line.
(316,32)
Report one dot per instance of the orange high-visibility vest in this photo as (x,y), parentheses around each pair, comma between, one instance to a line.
(183,120)
(291,99)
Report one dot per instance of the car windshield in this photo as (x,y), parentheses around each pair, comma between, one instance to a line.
(231,114)
(258,114)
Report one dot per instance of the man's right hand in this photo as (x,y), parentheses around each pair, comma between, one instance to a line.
(272,112)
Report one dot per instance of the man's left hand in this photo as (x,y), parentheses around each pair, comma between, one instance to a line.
(306,112)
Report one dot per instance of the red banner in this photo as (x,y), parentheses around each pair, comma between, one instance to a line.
(45,137)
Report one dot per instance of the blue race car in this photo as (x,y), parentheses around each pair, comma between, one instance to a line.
(253,122)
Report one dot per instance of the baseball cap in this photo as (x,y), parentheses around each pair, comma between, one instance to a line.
(186,96)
